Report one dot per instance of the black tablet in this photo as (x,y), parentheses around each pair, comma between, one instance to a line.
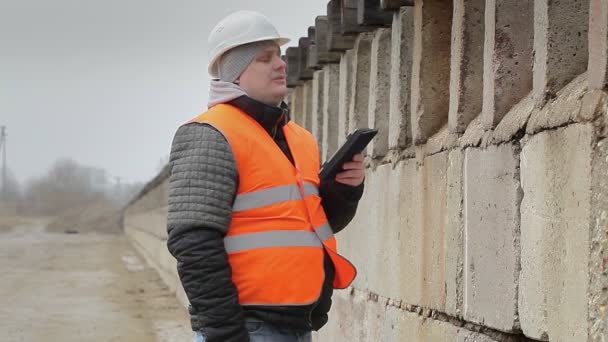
(355,143)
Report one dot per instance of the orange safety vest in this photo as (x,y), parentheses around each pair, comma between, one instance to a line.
(278,229)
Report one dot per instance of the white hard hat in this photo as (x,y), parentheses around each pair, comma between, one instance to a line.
(239,28)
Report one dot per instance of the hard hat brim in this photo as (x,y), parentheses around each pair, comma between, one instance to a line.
(212,69)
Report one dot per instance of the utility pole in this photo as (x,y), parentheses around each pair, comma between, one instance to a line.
(3,150)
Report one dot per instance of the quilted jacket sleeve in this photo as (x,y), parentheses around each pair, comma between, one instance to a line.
(340,202)
(202,187)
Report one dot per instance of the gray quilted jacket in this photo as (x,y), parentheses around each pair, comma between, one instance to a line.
(202,188)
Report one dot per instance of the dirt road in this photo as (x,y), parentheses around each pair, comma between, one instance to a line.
(82,287)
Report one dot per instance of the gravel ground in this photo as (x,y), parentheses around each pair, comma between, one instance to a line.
(82,287)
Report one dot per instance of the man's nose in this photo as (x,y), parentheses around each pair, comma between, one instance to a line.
(280,63)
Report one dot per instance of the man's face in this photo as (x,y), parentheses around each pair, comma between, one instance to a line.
(265,77)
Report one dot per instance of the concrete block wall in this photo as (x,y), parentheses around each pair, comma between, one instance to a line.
(145,224)
(485,212)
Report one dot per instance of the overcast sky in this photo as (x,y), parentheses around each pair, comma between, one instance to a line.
(107,82)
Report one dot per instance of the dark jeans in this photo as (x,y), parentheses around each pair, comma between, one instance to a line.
(264,332)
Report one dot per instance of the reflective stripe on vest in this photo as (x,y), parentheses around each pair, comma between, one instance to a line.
(272,195)
(278,238)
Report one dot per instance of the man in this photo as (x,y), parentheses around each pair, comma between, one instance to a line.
(249,221)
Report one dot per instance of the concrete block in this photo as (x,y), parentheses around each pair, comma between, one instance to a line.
(474,134)
(354,317)
(442,140)
(153,222)
(403,237)
(399,130)
(492,196)
(598,272)
(411,244)
(371,266)
(379,92)
(394,5)
(317,106)
(555,228)
(155,198)
(312,62)
(561,110)
(397,241)
(289,97)
(322,28)
(560,44)
(331,90)
(155,252)
(345,94)
(431,68)
(349,18)
(357,317)
(304,72)
(307,105)
(466,79)
(336,41)
(359,103)
(432,190)
(514,121)
(297,107)
(292,59)
(598,44)
(370,14)
(509,40)
(593,105)
(454,234)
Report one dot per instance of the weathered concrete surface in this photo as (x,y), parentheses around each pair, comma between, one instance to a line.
(345,94)
(555,228)
(574,104)
(431,68)
(432,190)
(514,121)
(155,198)
(379,92)
(560,44)
(474,133)
(399,130)
(358,235)
(441,141)
(145,224)
(331,92)
(317,105)
(402,235)
(598,261)
(297,106)
(307,107)
(466,79)
(492,196)
(507,75)
(598,44)
(454,234)
(154,250)
(359,103)
(359,316)
(413,244)
(85,287)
